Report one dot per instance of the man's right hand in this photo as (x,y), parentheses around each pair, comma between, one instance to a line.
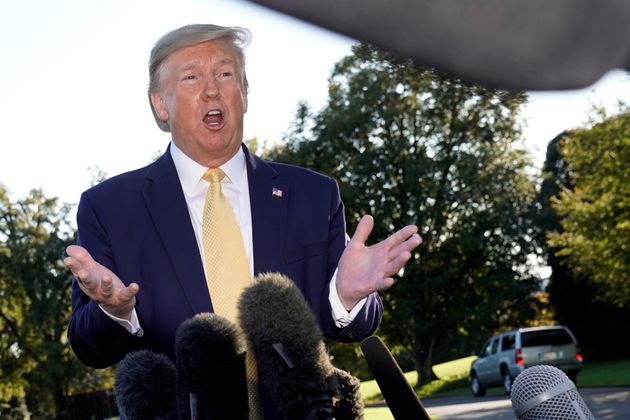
(101,284)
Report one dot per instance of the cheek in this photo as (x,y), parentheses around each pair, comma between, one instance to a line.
(179,105)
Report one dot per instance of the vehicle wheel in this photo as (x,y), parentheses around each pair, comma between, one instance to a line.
(475,386)
(507,382)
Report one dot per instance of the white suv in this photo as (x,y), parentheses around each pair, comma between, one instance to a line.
(506,355)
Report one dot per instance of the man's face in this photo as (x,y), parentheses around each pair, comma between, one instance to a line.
(201,95)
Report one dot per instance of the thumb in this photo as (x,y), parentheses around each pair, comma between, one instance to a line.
(133,288)
(363,230)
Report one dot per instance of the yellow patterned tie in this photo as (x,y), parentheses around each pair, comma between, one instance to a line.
(227,268)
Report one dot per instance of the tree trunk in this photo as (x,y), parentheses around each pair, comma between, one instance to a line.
(61,401)
(423,358)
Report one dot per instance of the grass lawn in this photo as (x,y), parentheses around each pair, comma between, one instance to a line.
(454,382)
(605,373)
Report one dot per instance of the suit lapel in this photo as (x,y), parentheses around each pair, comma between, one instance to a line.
(269,198)
(166,203)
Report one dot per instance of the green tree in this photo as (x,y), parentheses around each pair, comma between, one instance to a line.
(595,211)
(600,327)
(38,367)
(412,146)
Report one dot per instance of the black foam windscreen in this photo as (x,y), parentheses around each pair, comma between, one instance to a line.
(349,405)
(211,379)
(510,44)
(145,385)
(399,396)
(289,347)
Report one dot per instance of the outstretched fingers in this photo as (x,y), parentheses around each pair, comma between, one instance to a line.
(107,287)
(363,230)
(406,236)
(400,246)
(128,293)
(79,257)
(384,283)
(101,284)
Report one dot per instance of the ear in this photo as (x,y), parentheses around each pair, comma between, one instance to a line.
(244,91)
(159,105)
(244,99)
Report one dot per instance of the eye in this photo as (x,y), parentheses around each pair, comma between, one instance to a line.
(190,77)
(225,74)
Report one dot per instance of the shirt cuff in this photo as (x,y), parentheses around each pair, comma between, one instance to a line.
(340,314)
(133,325)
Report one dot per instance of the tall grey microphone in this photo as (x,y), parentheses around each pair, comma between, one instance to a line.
(545,392)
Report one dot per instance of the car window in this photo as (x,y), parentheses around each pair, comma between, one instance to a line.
(495,345)
(508,342)
(485,351)
(555,337)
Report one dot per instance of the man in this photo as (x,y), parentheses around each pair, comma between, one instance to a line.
(139,266)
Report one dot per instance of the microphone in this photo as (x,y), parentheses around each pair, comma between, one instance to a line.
(399,396)
(145,386)
(211,379)
(289,348)
(350,405)
(545,392)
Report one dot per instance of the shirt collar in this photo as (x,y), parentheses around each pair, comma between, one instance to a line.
(190,172)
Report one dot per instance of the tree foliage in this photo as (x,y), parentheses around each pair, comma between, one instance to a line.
(600,327)
(595,209)
(412,146)
(37,364)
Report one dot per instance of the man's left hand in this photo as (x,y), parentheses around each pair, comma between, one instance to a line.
(363,269)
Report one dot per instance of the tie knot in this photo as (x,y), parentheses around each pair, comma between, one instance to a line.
(214,175)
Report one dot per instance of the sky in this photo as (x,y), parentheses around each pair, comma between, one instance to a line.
(73,81)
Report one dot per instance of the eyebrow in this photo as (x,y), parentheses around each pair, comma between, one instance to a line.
(195,63)
(190,66)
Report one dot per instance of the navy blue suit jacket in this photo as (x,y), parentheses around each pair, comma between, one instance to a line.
(137,224)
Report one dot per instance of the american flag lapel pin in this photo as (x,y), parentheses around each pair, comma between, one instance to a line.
(276,192)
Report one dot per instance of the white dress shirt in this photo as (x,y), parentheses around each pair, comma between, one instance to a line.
(235,188)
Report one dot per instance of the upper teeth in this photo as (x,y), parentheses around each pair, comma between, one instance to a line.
(214,112)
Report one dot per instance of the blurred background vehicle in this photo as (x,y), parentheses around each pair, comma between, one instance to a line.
(506,355)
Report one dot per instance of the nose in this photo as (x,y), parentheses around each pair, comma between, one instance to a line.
(211,90)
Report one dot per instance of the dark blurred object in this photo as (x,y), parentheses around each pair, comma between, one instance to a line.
(211,379)
(289,347)
(349,404)
(98,405)
(399,396)
(145,386)
(508,44)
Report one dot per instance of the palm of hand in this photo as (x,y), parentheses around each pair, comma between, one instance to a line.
(363,269)
(101,284)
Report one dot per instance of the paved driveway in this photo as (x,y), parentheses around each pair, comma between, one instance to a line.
(605,403)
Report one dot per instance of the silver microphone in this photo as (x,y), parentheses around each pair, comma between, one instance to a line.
(544,392)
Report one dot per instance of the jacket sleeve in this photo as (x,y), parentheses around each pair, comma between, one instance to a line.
(97,340)
(368,319)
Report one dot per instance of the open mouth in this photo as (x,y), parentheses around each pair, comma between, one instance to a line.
(213,119)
